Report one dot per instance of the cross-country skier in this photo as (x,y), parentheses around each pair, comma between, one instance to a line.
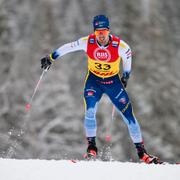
(104,53)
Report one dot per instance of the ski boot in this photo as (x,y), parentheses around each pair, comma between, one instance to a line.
(145,157)
(92,149)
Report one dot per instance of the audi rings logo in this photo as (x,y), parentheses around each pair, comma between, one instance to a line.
(102,54)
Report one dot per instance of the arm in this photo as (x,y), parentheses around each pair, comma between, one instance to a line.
(126,55)
(80,44)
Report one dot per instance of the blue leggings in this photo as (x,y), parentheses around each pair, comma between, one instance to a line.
(95,87)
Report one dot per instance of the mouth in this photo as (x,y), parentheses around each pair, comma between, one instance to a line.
(102,38)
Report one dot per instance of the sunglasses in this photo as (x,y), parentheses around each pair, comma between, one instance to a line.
(104,32)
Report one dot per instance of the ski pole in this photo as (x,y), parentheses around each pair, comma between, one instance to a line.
(16,143)
(108,131)
(28,105)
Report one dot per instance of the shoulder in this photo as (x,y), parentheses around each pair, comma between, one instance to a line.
(87,39)
(83,40)
(114,37)
(123,45)
(91,38)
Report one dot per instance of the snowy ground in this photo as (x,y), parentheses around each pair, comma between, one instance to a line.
(68,170)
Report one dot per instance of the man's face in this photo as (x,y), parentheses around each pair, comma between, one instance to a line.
(102,35)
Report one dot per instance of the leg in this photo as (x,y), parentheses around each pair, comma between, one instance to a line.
(120,99)
(92,95)
(132,123)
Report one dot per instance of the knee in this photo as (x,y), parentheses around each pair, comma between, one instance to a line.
(134,126)
(90,113)
(90,118)
(129,115)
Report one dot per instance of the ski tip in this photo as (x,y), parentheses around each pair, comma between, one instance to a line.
(27,107)
(73,161)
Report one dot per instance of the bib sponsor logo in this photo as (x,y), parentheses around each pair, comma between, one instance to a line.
(102,54)
(103,74)
(91,40)
(115,44)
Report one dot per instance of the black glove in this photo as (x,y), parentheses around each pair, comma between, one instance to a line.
(46,62)
(124,79)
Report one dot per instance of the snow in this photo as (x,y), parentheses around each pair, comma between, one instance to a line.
(11,169)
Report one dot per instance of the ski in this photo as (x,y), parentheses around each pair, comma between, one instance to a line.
(93,160)
(171,163)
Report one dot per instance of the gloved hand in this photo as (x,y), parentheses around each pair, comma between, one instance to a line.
(124,79)
(46,62)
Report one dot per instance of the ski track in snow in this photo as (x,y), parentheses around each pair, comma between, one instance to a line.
(11,169)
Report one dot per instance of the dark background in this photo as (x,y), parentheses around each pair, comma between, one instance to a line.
(53,129)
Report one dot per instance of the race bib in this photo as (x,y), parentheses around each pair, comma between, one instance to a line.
(103,69)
